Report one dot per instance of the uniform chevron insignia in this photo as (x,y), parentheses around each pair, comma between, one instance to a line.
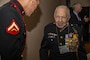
(13,28)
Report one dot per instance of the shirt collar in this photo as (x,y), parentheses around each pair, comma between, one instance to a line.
(75,13)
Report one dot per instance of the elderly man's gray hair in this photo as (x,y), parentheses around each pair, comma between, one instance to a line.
(63,7)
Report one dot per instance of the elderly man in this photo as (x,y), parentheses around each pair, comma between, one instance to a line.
(62,40)
(12,27)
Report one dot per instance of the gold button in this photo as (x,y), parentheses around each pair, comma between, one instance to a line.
(51,39)
(71,24)
(25,24)
(60,43)
(22,12)
(24,33)
(14,5)
(61,37)
(21,55)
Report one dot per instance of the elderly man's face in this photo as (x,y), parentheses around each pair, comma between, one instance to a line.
(61,18)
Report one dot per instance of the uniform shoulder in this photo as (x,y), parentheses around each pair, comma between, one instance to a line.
(50,25)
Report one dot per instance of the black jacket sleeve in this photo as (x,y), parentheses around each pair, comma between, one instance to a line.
(74,20)
(44,47)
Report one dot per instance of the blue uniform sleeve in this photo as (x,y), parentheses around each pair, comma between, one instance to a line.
(11,38)
(44,47)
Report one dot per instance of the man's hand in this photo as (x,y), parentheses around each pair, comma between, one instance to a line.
(86,18)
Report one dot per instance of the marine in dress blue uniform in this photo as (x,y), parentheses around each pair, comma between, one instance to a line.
(62,44)
(12,31)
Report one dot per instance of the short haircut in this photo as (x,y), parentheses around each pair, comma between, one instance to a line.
(63,7)
(75,5)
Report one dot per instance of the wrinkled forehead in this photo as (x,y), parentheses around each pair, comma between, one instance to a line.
(60,11)
(37,0)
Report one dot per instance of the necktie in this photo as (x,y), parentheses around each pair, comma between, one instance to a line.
(79,19)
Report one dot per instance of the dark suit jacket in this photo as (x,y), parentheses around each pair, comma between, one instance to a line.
(82,24)
(74,20)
